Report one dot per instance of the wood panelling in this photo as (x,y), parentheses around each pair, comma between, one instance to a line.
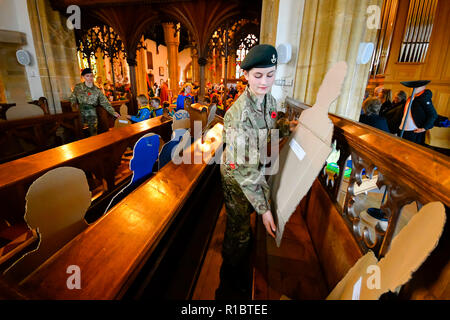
(435,68)
(335,245)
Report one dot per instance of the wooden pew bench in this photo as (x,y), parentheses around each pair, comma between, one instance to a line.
(101,157)
(150,244)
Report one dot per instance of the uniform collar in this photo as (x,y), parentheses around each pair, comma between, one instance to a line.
(254,100)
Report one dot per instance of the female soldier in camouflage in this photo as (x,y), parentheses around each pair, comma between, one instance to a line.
(251,118)
(88,96)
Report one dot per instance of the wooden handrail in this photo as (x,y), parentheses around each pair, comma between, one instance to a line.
(409,171)
(113,250)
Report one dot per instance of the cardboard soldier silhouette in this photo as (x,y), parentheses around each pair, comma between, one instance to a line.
(55,205)
(181,139)
(122,121)
(407,251)
(309,146)
(145,154)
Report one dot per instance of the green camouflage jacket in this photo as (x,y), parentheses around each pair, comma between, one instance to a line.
(247,131)
(90,97)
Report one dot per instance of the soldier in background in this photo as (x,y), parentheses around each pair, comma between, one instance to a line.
(88,96)
(248,120)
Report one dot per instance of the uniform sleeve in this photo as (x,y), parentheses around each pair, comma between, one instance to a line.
(282,121)
(430,112)
(143,114)
(251,180)
(103,101)
(73,97)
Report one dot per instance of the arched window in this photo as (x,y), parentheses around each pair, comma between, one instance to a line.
(245,45)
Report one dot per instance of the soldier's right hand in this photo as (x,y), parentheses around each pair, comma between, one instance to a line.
(269,223)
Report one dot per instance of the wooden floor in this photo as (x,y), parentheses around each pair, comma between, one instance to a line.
(291,271)
(208,280)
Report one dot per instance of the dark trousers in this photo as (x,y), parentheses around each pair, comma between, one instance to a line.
(418,138)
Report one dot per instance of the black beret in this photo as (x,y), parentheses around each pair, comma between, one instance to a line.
(260,56)
(415,84)
(86,71)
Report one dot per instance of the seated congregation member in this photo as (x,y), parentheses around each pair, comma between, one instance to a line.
(421,116)
(144,112)
(167,110)
(385,98)
(371,115)
(394,115)
(88,96)
(215,100)
(184,93)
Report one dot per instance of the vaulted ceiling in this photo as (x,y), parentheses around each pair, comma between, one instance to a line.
(130,19)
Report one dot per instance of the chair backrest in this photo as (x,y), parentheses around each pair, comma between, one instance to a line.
(55,205)
(145,154)
(211,115)
(23,111)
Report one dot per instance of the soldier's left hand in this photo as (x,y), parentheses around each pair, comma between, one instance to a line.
(269,223)
(293,124)
(419,130)
(116,115)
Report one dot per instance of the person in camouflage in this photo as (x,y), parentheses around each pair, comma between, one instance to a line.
(87,95)
(248,125)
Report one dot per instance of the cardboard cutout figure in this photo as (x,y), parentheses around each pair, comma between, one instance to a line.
(181,120)
(408,250)
(55,205)
(145,154)
(181,139)
(122,121)
(211,115)
(309,146)
(24,111)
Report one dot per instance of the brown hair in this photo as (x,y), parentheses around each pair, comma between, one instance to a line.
(372,106)
(142,99)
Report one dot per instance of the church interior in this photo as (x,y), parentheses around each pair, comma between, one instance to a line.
(122,198)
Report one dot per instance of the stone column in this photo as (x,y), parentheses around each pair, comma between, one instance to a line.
(141,72)
(195,65)
(202,64)
(288,32)
(172,39)
(269,20)
(232,66)
(329,36)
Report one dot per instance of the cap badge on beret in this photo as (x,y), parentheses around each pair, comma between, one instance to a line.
(274,59)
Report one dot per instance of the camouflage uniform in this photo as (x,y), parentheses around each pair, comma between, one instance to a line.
(87,98)
(244,184)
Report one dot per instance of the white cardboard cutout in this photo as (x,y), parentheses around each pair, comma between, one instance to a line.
(310,145)
(122,121)
(55,205)
(408,250)
(24,111)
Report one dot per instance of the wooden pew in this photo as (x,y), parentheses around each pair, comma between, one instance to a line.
(98,156)
(37,134)
(322,240)
(149,245)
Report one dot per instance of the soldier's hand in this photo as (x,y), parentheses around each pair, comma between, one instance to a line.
(268,223)
(116,115)
(292,125)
